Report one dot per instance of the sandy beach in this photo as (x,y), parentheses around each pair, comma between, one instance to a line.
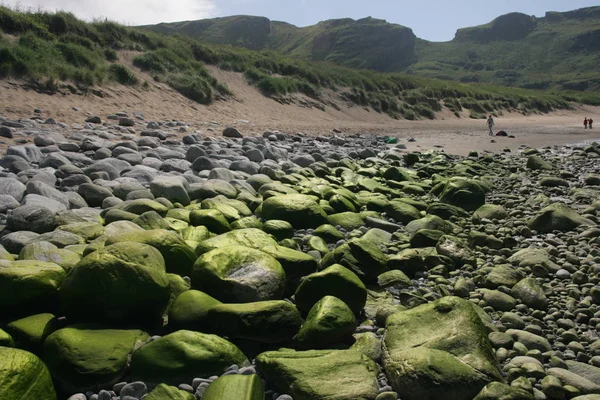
(252,114)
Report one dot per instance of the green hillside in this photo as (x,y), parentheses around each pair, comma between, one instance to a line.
(49,48)
(559,51)
(366,43)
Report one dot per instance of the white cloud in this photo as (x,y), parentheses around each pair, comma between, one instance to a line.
(132,12)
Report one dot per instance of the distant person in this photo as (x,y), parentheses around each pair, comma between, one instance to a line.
(585,123)
(590,122)
(490,124)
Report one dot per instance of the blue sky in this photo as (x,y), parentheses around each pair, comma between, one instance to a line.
(435,20)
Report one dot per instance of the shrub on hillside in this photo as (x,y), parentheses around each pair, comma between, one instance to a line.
(122,74)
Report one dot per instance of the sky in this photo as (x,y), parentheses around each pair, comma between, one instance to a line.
(435,20)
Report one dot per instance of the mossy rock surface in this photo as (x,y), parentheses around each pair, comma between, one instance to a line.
(29,285)
(213,220)
(557,217)
(239,387)
(179,257)
(89,357)
(439,350)
(491,211)
(189,310)
(335,280)
(320,374)
(24,376)
(329,322)
(29,333)
(299,210)
(250,237)
(360,256)
(122,283)
(166,392)
(272,321)
(184,355)
(239,274)
(6,340)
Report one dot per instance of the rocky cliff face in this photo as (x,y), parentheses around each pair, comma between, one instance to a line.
(513,26)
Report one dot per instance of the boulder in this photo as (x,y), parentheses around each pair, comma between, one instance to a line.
(166,392)
(239,387)
(335,280)
(535,162)
(557,217)
(491,211)
(89,357)
(239,274)
(360,256)
(178,256)
(329,322)
(173,188)
(249,237)
(182,356)
(189,311)
(32,218)
(122,283)
(301,211)
(29,285)
(29,333)
(24,376)
(402,212)
(465,193)
(272,321)
(530,292)
(439,350)
(320,374)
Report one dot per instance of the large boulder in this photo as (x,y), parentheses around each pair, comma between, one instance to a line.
(249,237)
(320,374)
(189,310)
(179,257)
(236,386)
(32,218)
(468,194)
(531,257)
(531,293)
(301,211)
(456,249)
(24,376)
(361,256)
(401,211)
(173,188)
(29,285)
(13,188)
(557,217)
(184,355)
(330,321)
(239,274)
(491,211)
(121,283)
(335,280)
(264,321)
(166,392)
(535,162)
(439,350)
(29,333)
(89,357)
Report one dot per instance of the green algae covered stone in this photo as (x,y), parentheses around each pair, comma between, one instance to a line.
(23,376)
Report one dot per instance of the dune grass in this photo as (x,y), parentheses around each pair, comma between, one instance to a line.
(57,46)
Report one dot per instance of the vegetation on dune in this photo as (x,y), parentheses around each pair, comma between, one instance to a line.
(56,46)
(558,51)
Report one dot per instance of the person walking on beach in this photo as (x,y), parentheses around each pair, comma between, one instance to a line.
(585,122)
(490,124)
(590,122)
